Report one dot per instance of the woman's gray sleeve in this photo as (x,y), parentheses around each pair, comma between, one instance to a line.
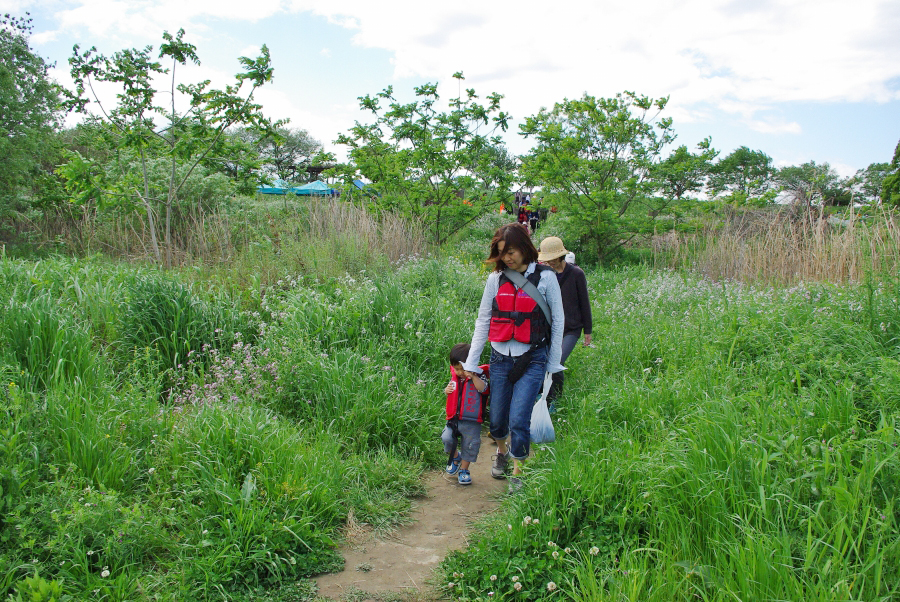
(482,322)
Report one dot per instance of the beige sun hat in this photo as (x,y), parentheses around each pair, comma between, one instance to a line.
(551,248)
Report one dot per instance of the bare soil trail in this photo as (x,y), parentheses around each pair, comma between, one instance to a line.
(400,565)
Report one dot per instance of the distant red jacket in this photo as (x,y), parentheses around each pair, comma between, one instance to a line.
(468,401)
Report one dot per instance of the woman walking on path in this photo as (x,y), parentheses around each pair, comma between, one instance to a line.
(524,343)
(576,304)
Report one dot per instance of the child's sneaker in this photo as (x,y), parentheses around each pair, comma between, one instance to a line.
(498,469)
(453,466)
(464,477)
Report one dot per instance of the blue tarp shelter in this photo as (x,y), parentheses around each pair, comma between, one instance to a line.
(277,187)
(365,187)
(314,188)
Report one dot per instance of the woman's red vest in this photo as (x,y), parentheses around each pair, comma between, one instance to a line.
(516,316)
(466,402)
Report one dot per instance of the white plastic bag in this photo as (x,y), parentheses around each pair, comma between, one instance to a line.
(541,426)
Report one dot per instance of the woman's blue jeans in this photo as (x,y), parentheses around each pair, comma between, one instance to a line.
(511,404)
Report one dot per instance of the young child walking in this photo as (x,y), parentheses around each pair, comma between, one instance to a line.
(467,394)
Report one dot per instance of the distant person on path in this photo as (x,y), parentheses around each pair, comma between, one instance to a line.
(522,217)
(467,394)
(576,304)
(533,219)
(525,345)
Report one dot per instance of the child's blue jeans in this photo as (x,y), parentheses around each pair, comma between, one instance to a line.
(512,403)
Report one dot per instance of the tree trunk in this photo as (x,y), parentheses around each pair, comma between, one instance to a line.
(150,221)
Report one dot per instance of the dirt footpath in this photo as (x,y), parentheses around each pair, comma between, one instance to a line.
(402,562)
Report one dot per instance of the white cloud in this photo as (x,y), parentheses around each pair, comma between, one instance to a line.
(780,50)
(15,7)
(44,37)
(699,51)
(738,58)
(765,126)
(844,170)
(251,51)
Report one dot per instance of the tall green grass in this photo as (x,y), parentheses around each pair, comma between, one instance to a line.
(48,343)
(721,442)
(234,481)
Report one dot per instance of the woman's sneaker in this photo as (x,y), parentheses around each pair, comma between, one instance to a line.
(453,466)
(498,468)
(464,477)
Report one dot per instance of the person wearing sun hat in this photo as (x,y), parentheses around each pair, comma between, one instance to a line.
(576,304)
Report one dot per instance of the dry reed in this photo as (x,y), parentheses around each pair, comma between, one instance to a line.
(387,234)
(786,246)
(306,233)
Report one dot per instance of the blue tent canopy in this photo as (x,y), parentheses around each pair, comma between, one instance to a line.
(314,188)
(277,187)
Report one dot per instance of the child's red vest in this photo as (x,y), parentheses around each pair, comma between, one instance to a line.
(515,315)
(466,402)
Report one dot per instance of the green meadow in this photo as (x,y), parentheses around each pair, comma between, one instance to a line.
(207,432)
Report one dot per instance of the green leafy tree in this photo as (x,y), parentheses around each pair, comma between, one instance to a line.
(683,172)
(813,185)
(744,173)
(595,156)
(890,188)
(29,110)
(445,168)
(236,156)
(147,132)
(287,152)
(867,183)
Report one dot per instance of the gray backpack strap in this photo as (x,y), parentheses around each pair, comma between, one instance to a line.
(522,282)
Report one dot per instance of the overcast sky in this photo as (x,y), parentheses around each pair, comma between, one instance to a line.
(798,79)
